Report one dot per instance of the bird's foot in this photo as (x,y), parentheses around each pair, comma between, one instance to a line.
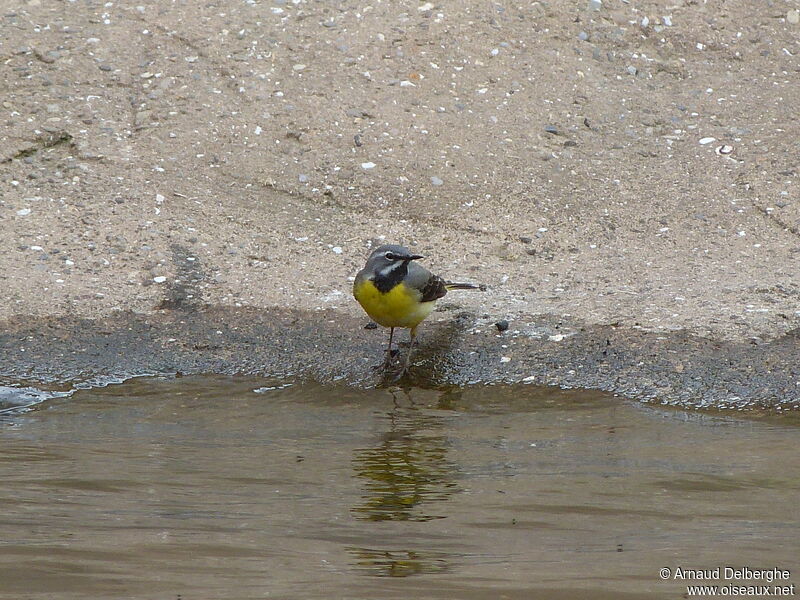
(403,372)
(387,362)
(406,368)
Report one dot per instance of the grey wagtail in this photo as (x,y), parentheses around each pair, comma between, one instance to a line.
(397,292)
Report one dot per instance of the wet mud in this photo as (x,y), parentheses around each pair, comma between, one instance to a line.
(675,369)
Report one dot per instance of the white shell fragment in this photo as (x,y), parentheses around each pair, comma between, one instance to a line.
(725,149)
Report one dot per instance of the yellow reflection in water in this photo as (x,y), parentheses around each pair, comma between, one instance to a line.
(398,563)
(408,470)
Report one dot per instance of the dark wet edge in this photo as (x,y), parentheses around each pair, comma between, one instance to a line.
(678,369)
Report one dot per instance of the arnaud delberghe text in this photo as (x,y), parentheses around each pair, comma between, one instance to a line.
(731,573)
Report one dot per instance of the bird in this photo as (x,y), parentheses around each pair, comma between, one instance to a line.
(395,291)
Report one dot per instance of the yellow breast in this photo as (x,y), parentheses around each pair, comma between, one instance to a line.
(399,307)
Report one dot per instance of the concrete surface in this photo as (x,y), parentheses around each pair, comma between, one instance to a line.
(237,158)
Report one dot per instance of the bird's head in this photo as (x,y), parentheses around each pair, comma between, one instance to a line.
(386,259)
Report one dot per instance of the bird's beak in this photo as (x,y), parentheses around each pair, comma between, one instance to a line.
(413,257)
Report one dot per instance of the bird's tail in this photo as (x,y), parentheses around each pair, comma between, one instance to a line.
(452,285)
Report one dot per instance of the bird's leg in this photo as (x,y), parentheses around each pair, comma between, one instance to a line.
(388,360)
(413,333)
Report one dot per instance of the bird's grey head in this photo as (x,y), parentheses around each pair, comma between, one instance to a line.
(386,260)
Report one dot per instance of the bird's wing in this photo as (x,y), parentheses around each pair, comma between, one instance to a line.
(430,286)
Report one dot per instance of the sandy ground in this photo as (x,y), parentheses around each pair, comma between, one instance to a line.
(618,166)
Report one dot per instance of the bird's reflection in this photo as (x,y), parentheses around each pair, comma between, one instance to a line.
(407,474)
(399,563)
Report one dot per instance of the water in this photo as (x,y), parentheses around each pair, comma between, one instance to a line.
(205,488)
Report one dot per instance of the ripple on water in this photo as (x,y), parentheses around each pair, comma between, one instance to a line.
(16,400)
(230,487)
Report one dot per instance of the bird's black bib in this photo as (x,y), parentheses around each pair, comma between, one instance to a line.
(386,283)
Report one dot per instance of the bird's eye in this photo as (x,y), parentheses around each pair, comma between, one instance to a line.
(390,256)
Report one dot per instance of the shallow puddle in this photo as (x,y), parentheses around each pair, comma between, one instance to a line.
(239,488)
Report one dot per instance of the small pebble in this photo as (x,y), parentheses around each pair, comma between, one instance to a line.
(551,129)
(337,250)
(159,279)
(368,165)
(23,212)
(583,36)
(501,325)
(793,16)
(667,21)
(436,181)
(425,7)
(299,67)
(724,149)
(632,70)
(706,140)
(505,359)
(371,325)
(303,178)
(595,4)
